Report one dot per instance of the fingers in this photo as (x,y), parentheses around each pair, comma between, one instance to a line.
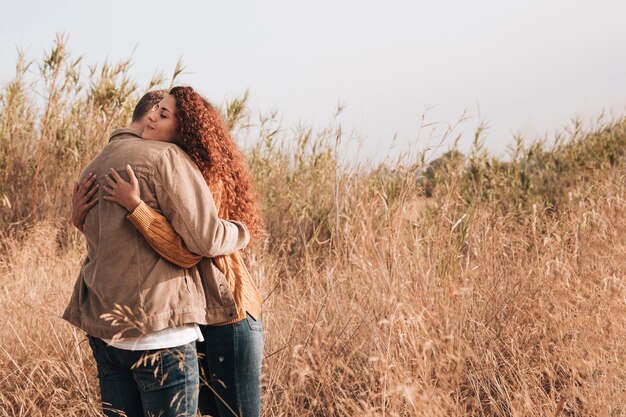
(90,194)
(88,197)
(90,205)
(87,181)
(115,185)
(131,174)
(110,181)
(93,190)
(115,175)
(81,188)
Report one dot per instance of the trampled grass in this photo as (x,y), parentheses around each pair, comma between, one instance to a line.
(502,294)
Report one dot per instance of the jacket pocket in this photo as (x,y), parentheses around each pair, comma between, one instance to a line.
(256,325)
(215,285)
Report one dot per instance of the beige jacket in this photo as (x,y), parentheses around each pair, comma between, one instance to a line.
(124,286)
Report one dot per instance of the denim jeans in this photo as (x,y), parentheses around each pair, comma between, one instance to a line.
(230,360)
(160,382)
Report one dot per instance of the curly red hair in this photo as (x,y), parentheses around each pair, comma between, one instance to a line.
(208,142)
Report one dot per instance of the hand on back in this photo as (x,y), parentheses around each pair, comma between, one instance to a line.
(123,192)
(81,196)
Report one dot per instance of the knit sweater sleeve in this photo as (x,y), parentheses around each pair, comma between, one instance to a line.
(160,234)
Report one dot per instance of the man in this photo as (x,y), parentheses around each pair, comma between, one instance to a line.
(139,310)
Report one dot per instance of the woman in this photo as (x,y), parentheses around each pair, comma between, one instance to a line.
(232,352)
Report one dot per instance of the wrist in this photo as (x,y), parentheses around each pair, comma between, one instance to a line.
(133,205)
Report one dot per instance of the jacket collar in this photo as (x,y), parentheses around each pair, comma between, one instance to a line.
(117,133)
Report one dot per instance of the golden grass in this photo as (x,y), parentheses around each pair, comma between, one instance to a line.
(502,295)
(407,320)
(47,368)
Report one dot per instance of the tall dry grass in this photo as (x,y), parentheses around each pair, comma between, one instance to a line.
(504,294)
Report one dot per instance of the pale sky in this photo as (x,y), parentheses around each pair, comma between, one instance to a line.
(521,66)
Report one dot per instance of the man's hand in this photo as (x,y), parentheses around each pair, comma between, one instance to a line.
(123,193)
(83,191)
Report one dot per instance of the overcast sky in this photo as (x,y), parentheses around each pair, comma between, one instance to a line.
(521,66)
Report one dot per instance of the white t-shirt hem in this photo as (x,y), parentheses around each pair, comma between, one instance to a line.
(162,339)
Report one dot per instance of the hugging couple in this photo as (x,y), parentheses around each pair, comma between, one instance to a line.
(171,313)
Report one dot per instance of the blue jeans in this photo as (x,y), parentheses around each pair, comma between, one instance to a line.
(161,382)
(230,360)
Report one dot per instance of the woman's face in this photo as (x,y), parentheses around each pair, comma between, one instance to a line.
(162,122)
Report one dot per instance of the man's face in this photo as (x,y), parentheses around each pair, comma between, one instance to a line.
(162,124)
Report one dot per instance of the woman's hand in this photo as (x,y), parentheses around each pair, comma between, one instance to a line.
(83,191)
(123,193)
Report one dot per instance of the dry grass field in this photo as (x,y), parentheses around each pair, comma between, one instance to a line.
(502,294)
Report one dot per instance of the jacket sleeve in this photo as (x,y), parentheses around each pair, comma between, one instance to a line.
(186,201)
(160,234)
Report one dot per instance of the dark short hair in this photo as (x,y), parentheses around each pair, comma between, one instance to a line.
(148,101)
